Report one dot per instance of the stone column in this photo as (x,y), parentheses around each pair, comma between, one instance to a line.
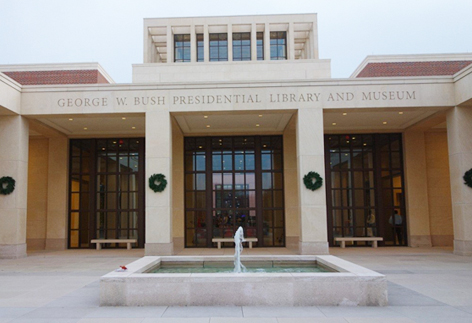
(158,205)
(14,139)
(253,42)
(459,137)
(266,42)
(310,157)
(56,233)
(291,42)
(416,182)
(193,44)
(230,42)
(170,45)
(206,43)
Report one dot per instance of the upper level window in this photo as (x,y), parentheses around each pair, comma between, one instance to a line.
(241,46)
(218,47)
(182,48)
(260,46)
(200,48)
(278,45)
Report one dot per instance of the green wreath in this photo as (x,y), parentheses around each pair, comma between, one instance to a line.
(468,178)
(7,185)
(310,184)
(157,178)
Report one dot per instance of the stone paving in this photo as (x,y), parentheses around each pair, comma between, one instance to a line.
(425,285)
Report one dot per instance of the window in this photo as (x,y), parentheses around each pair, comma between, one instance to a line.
(182,48)
(241,46)
(260,46)
(218,47)
(278,45)
(200,48)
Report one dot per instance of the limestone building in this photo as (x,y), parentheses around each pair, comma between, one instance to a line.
(234,112)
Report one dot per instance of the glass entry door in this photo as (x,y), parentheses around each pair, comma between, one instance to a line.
(232,182)
(364,182)
(106,191)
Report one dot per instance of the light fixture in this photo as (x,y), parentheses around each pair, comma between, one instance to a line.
(206,117)
(400,112)
(353,138)
(114,142)
(365,144)
(200,147)
(385,122)
(70,119)
(257,125)
(103,148)
(208,126)
(85,128)
(260,116)
(123,118)
(344,113)
(334,123)
(133,128)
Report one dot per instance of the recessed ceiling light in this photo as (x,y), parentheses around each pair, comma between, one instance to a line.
(206,117)
(123,118)
(85,128)
(353,138)
(133,128)
(260,116)
(365,144)
(70,119)
(344,114)
(200,147)
(208,126)
(400,112)
(334,123)
(257,125)
(114,142)
(103,148)
(385,122)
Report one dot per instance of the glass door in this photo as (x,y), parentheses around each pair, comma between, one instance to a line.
(365,187)
(232,182)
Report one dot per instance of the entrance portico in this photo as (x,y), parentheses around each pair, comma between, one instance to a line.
(391,150)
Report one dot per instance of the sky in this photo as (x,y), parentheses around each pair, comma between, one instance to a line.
(110,32)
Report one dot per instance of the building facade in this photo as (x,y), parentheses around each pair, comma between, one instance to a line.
(235,112)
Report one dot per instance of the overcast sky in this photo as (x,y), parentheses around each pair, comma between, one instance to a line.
(110,32)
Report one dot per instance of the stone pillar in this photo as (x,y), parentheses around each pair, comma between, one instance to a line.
(158,205)
(459,137)
(193,44)
(310,157)
(291,42)
(266,41)
(230,42)
(416,186)
(14,139)
(206,43)
(170,45)
(56,233)
(253,42)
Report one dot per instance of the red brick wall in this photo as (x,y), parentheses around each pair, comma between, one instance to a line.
(413,68)
(57,77)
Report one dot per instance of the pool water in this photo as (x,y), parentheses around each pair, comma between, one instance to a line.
(209,267)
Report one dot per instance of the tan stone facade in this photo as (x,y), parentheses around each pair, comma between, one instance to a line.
(294,98)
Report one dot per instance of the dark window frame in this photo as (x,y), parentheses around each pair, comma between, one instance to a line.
(218,45)
(278,45)
(241,46)
(182,48)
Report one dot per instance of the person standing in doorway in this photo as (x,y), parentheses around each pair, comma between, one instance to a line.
(396,221)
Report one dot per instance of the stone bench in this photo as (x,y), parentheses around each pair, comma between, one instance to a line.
(100,241)
(220,240)
(344,239)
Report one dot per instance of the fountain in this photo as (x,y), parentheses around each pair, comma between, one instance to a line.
(238,249)
(210,281)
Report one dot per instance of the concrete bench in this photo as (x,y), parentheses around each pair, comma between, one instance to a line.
(344,239)
(220,240)
(100,241)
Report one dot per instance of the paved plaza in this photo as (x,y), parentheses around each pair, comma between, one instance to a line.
(424,285)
